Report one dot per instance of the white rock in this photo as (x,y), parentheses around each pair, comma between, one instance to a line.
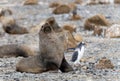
(113,31)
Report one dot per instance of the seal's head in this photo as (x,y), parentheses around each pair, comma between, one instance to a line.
(46,28)
(5,12)
(52,22)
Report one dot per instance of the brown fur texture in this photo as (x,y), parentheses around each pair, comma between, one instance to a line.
(88,25)
(66,36)
(30,2)
(51,55)
(104,63)
(50,20)
(69,28)
(59,31)
(78,37)
(62,9)
(54,24)
(14,50)
(14,29)
(5,12)
(97,20)
(117,1)
(64,33)
(71,42)
(9,23)
(73,39)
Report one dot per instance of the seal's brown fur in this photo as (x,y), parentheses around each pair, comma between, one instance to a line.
(65,33)
(78,37)
(71,42)
(117,1)
(9,23)
(14,50)
(51,55)
(14,29)
(70,28)
(52,22)
(59,31)
(5,12)
(97,20)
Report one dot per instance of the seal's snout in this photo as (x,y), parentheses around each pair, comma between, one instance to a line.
(46,28)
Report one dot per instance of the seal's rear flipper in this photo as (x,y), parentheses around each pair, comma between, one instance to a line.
(65,67)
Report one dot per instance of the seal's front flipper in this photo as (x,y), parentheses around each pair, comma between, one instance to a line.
(65,67)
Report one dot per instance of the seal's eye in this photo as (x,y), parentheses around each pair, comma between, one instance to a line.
(47,29)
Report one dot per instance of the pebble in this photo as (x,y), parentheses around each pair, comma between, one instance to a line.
(96,48)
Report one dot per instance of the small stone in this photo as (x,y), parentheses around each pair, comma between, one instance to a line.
(84,67)
(16,79)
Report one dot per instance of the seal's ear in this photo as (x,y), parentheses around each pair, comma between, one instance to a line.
(46,28)
(51,20)
(8,11)
(4,12)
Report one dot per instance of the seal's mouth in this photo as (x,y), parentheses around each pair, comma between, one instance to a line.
(46,28)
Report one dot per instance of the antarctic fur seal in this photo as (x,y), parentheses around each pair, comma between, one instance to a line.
(14,50)
(9,23)
(51,56)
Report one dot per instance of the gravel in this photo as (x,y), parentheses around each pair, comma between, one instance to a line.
(97,47)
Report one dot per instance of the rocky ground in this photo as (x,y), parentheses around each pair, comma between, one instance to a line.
(97,47)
